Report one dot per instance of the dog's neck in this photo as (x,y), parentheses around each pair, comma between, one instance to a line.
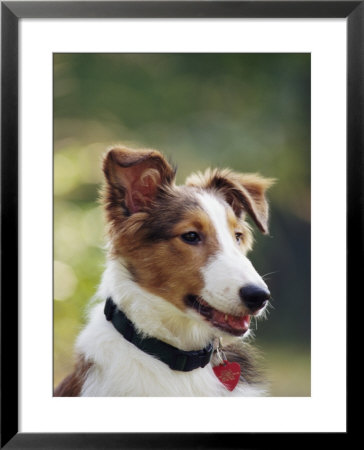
(150,314)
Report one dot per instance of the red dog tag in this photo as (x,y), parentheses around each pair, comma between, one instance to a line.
(228,373)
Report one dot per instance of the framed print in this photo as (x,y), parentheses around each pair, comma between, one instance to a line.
(198,81)
(211,117)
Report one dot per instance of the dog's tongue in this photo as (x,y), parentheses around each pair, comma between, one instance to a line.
(238,323)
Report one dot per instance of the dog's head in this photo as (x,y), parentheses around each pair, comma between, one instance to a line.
(188,244)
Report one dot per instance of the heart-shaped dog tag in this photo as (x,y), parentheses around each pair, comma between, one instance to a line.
(228,373)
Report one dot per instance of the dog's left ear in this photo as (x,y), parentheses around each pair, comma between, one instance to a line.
(243,192)
(134,176)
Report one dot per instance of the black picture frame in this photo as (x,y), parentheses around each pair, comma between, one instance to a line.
(11,13)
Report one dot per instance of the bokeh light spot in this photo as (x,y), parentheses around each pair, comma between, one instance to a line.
(65,281)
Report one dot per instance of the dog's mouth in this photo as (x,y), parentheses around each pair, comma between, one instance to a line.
(236,325)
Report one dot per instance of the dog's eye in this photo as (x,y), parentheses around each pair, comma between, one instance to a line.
(238,237)
(191,238)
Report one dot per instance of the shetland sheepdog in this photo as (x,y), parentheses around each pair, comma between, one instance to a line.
(178,292)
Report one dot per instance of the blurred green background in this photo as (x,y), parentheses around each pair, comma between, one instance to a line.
(249,112)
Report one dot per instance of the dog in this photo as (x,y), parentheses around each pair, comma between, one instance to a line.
(178,292)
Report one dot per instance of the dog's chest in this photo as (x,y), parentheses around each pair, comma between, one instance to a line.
(134,377)
(121,369)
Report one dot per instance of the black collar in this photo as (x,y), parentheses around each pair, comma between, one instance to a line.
(175,358)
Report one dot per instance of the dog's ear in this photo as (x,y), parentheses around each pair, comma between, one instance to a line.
(133,177)
(243,192)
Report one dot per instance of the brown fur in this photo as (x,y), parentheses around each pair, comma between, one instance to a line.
(239,225)
(156,262)
(133,178)
(71,386)
(243,192)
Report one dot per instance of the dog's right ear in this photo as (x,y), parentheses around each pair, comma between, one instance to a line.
(133,177)
(243,192)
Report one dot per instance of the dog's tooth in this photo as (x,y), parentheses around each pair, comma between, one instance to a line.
(226,317)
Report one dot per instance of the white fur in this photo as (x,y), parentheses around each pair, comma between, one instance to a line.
(121,369)
(228,270)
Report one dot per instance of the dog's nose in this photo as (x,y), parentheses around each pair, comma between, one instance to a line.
(254,296)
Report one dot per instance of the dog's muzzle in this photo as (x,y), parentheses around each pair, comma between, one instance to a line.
(254,297)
